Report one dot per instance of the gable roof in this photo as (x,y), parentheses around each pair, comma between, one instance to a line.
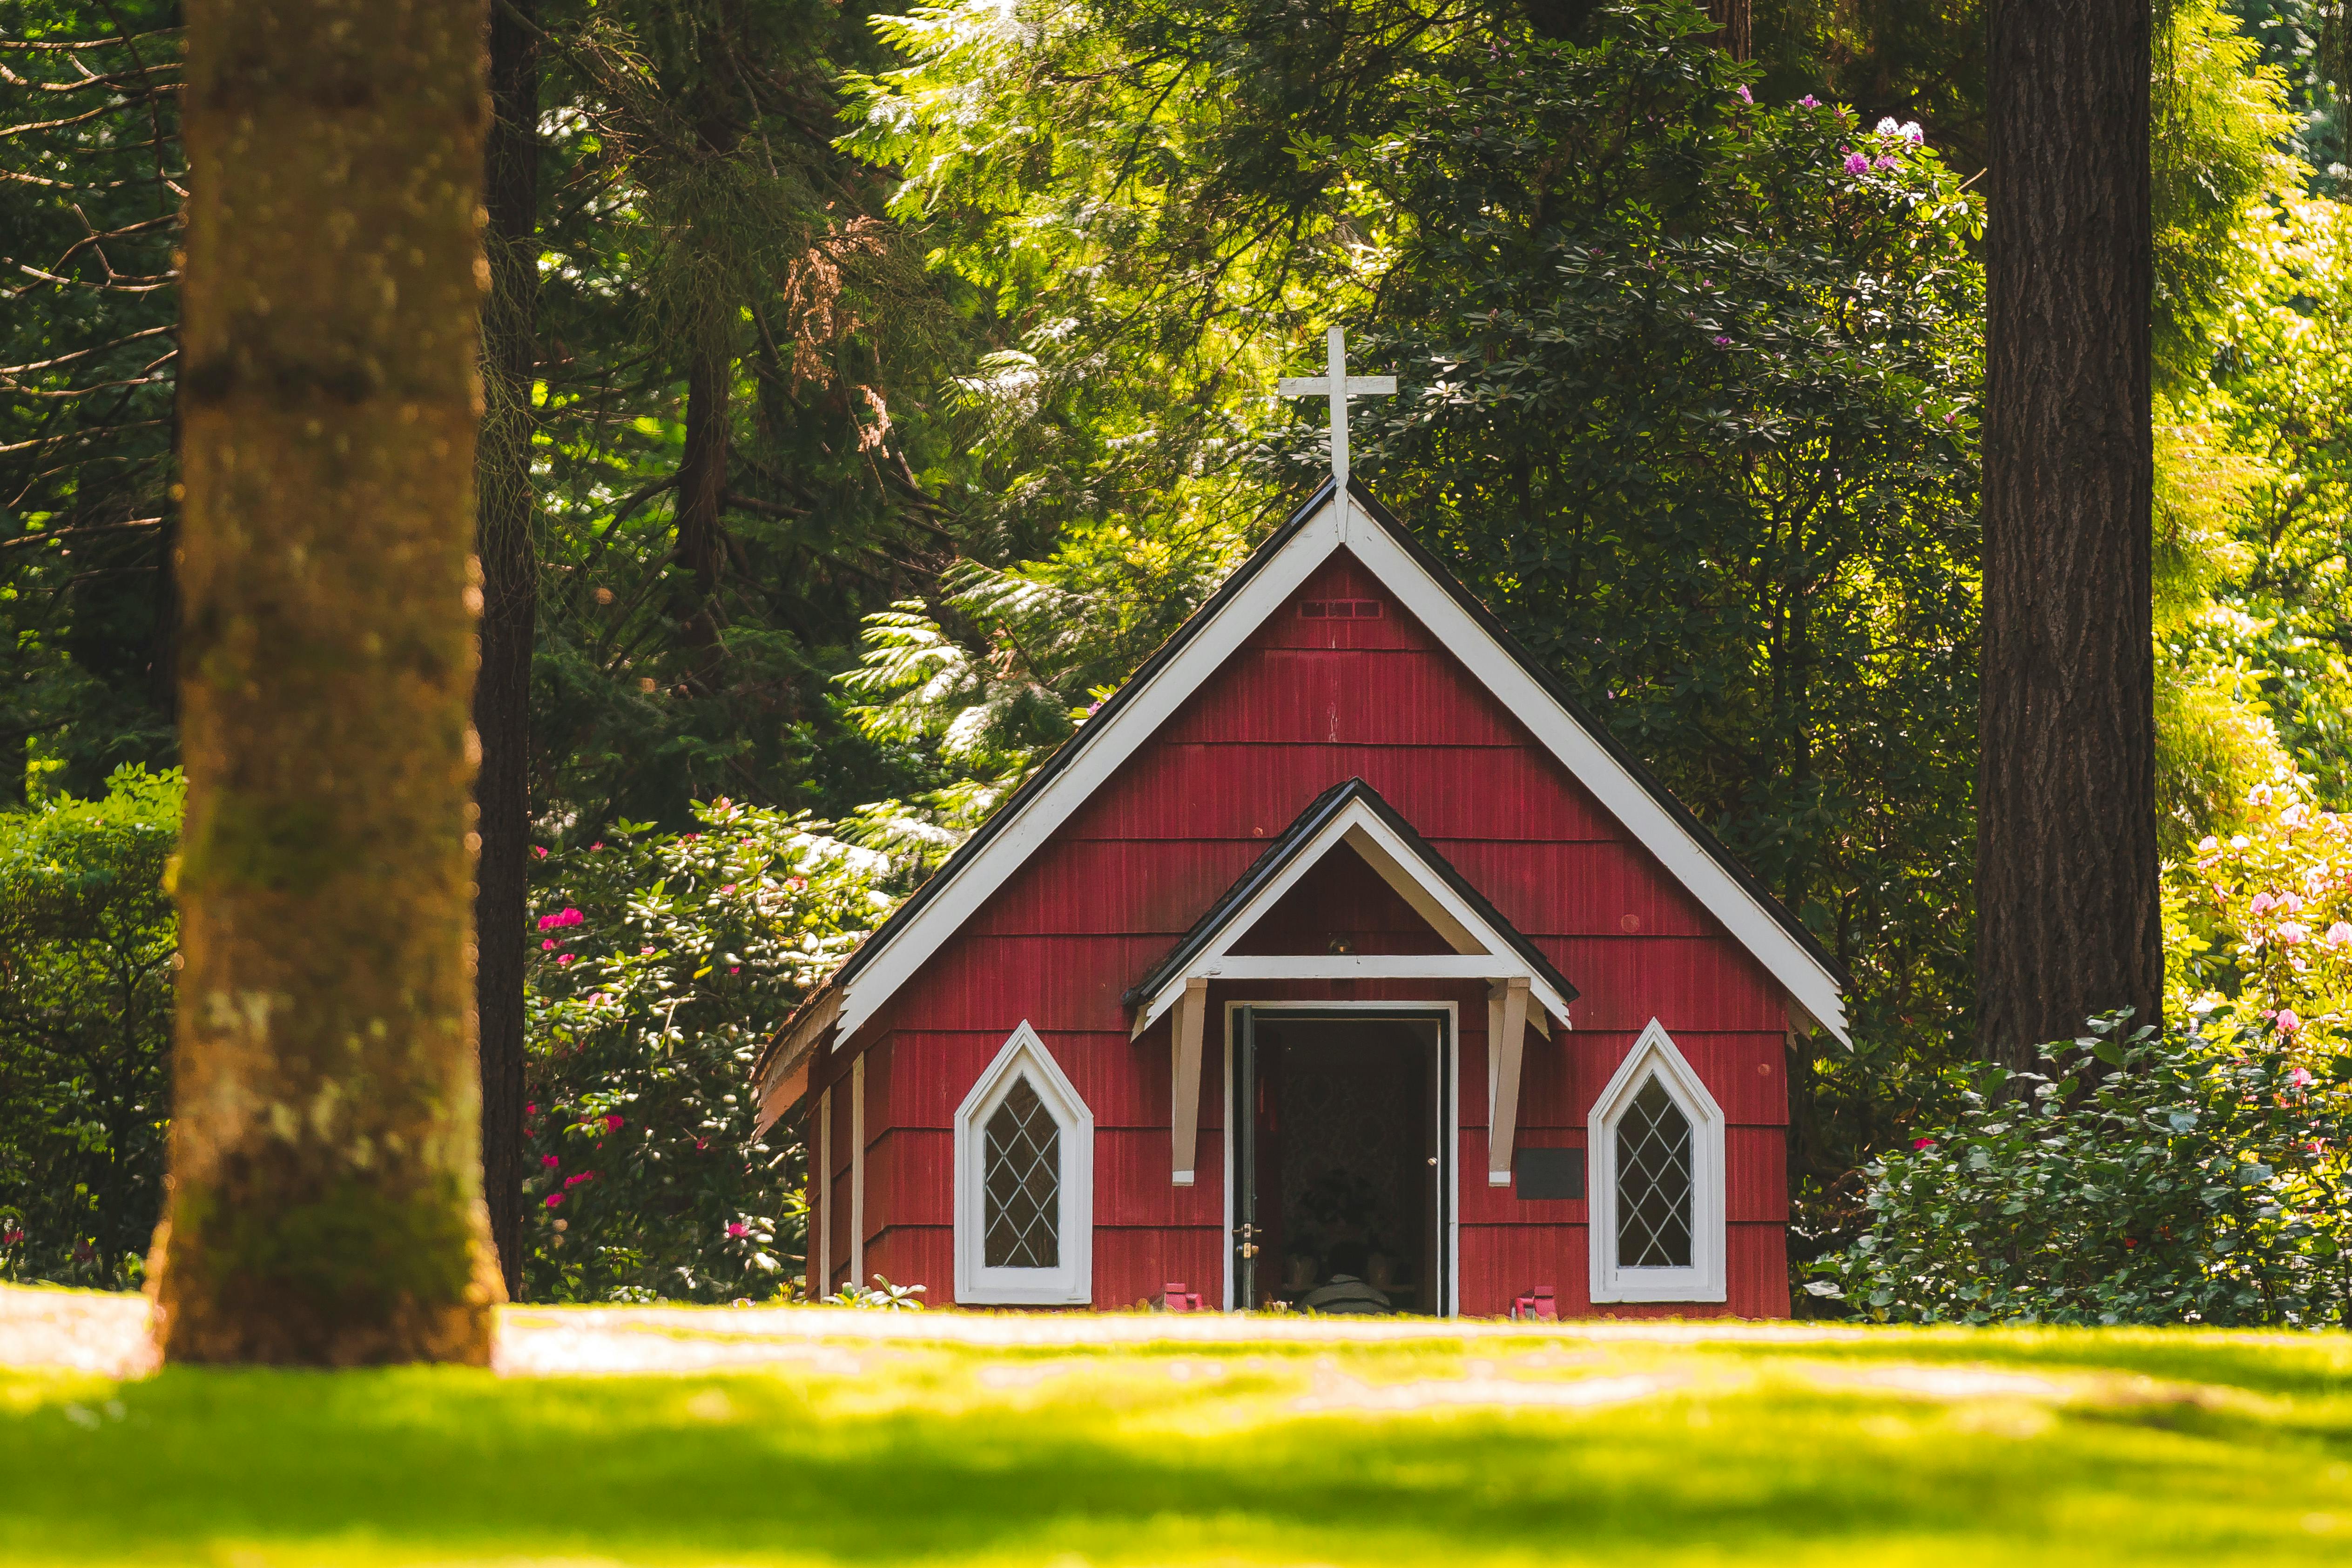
(1693,856)
(1425,878)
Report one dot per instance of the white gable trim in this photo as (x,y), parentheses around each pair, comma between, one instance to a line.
(1590,762)
(1154,700)
(1707,1277)
(1361,827)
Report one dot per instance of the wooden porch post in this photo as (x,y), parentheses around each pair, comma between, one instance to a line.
(1184,1079)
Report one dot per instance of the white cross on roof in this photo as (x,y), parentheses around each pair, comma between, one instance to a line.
(1338,385)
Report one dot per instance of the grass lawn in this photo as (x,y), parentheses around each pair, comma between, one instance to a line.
(797,1437)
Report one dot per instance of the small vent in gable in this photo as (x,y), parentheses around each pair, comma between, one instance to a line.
(1339,610)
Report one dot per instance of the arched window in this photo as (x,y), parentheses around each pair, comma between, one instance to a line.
(1657,1213)
(1024,1183)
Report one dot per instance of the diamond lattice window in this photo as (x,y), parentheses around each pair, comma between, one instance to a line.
(1024,1183)
(1654,1182)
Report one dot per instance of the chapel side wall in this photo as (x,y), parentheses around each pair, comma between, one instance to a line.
(1301,706)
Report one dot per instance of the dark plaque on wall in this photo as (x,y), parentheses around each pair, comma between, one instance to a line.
(1547,1173)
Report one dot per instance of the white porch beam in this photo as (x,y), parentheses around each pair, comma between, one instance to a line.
(1506,1039)
(1184,1079)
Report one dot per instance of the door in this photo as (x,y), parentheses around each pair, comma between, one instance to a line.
(1342,1174)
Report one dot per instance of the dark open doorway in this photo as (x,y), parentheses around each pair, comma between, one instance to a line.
(1341,1180)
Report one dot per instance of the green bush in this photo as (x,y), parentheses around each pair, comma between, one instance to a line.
(2187,1176)
(661,963)
(88,935)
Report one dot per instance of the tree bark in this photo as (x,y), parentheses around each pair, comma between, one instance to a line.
(702,496)
(1735,22)
(324,1201)
(2069,913)
(510,614)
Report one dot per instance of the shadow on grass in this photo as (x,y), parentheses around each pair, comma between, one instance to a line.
(362,1468)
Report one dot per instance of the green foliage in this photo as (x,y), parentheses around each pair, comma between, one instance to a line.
(661,964)
(91,178)
(87,937)
(2275,630)
(2191,1177)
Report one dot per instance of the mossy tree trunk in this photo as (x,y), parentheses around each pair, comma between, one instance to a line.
(325,1191)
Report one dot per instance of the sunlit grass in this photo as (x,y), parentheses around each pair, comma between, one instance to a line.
(1883,1448)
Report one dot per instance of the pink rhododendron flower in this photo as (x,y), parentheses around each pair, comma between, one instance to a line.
(734,968)
(1888,161)
(2207,844)
(2293,932)
(612,1123)
(2339,934)
(2261,904)
(1856,164)
(729,888)
(547,946)
(737,1228)
(2300,1078)
(551,1160)
(645,952)
(700,1144)
(1922,1144)
(564,958)
(554,1201)
(2286,1021)
(538,849)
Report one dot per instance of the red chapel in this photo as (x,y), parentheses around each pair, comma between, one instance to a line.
(1342,959)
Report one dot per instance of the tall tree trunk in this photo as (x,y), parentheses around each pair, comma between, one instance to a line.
(325,1190)
(2069,917)
(1735,22)
(701,496)
(509,613)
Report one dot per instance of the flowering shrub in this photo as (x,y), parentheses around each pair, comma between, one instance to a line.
(661,964)
(2258,926)
(2198,1175)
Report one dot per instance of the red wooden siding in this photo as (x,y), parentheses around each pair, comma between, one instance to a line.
(1300,705)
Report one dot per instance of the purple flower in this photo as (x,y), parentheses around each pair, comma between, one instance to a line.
(1809,101)
(1856,164)
(1888,161)
(1721,342)
(1744,96)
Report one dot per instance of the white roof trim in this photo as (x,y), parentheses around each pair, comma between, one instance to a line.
(1492,956)
(1152,703)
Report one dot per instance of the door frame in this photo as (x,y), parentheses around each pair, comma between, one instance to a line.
(1448,1017)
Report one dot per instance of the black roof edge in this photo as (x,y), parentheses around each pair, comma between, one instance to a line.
(1292,842)
(1069,750)
(1699,831)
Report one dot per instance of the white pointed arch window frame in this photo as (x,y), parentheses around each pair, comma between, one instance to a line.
(1070,1281)
(1654,1054)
